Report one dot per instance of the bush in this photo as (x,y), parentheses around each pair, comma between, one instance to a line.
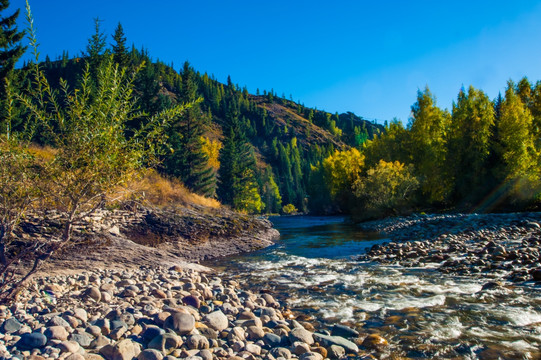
(289,209)
(385,189)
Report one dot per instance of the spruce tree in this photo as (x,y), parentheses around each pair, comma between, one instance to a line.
(237,181)
(120,53)
(11,50)
(188,162)
(427,146)
(469,144)
(95,47)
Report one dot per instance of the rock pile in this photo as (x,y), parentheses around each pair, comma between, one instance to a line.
(156,314)
(503,246)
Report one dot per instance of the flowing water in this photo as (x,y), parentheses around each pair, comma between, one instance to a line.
(422,313)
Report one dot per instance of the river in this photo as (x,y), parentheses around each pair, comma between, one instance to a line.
(423,313)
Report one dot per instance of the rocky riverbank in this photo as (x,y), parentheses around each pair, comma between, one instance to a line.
(494,246)
(159,313)
(145,237)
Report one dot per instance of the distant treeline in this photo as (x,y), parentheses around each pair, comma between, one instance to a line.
(264,153)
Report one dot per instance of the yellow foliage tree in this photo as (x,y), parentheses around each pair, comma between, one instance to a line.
(385,188)
(340,171)
(211,148)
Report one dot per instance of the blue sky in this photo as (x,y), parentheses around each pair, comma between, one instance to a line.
(368,57)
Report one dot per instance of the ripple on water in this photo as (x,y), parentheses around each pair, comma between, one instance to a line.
(447,316)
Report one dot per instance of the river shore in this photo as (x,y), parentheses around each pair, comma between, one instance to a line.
(160,313)
(493,246)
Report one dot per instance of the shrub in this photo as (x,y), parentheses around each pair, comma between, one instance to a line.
(289,209)
(385,189)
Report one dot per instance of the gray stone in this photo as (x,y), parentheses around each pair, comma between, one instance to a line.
(311,356)
(57,321)
(80,314)
(197,342)
(123,350)
(328,340)
(217,320)
(344,331)
(83,339)
(281,352)
(56,333)
(151,331)
(69,347)
(11,325)
(93,293)
(302,335)
(336,352)
(166,343)
(99,342)
(34,340)
(181,323)
(255,333)
(272,340)
(150,354)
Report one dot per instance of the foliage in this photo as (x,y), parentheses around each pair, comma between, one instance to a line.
(187,161)
(289,209)
(515,146)
(468,146)
(427,146)
(211,149)
(385,189)
(92,155)
(120,53)
(11,50)
(341,170)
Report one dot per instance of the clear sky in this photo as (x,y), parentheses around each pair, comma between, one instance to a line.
(368,57)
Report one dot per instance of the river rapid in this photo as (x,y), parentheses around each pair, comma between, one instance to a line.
(422,313)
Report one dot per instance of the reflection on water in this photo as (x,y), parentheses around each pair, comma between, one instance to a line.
(423,313)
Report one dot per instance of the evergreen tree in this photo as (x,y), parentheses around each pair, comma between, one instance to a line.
(120,53)
(427,145)
(469,144)
(237,185)
(95,47)
(11,50)
(515,145)
(188,161)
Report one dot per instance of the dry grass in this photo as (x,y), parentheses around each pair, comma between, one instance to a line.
(150,187)
(162,192)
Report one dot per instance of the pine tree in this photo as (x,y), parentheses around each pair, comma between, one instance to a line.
(515,145)
(95,47)
(11,50)
(237,185)
(189,162)
(427,147)
(469,144)
(120,53)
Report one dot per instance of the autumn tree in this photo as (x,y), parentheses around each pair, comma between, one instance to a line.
(515,146)
(386,189)
(469,144)
(340,171)
(427,146)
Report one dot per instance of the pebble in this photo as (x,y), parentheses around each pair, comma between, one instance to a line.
(181,323)
(217,320)
(34,340)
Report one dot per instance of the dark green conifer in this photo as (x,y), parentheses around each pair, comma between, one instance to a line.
(120,53)
(11,50)
(188,162)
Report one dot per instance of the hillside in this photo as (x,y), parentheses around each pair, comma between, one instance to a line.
(285,141)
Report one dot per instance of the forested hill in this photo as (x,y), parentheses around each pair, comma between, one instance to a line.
(255,152)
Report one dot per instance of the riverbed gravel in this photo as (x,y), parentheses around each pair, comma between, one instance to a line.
(494,246)
(160,313)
